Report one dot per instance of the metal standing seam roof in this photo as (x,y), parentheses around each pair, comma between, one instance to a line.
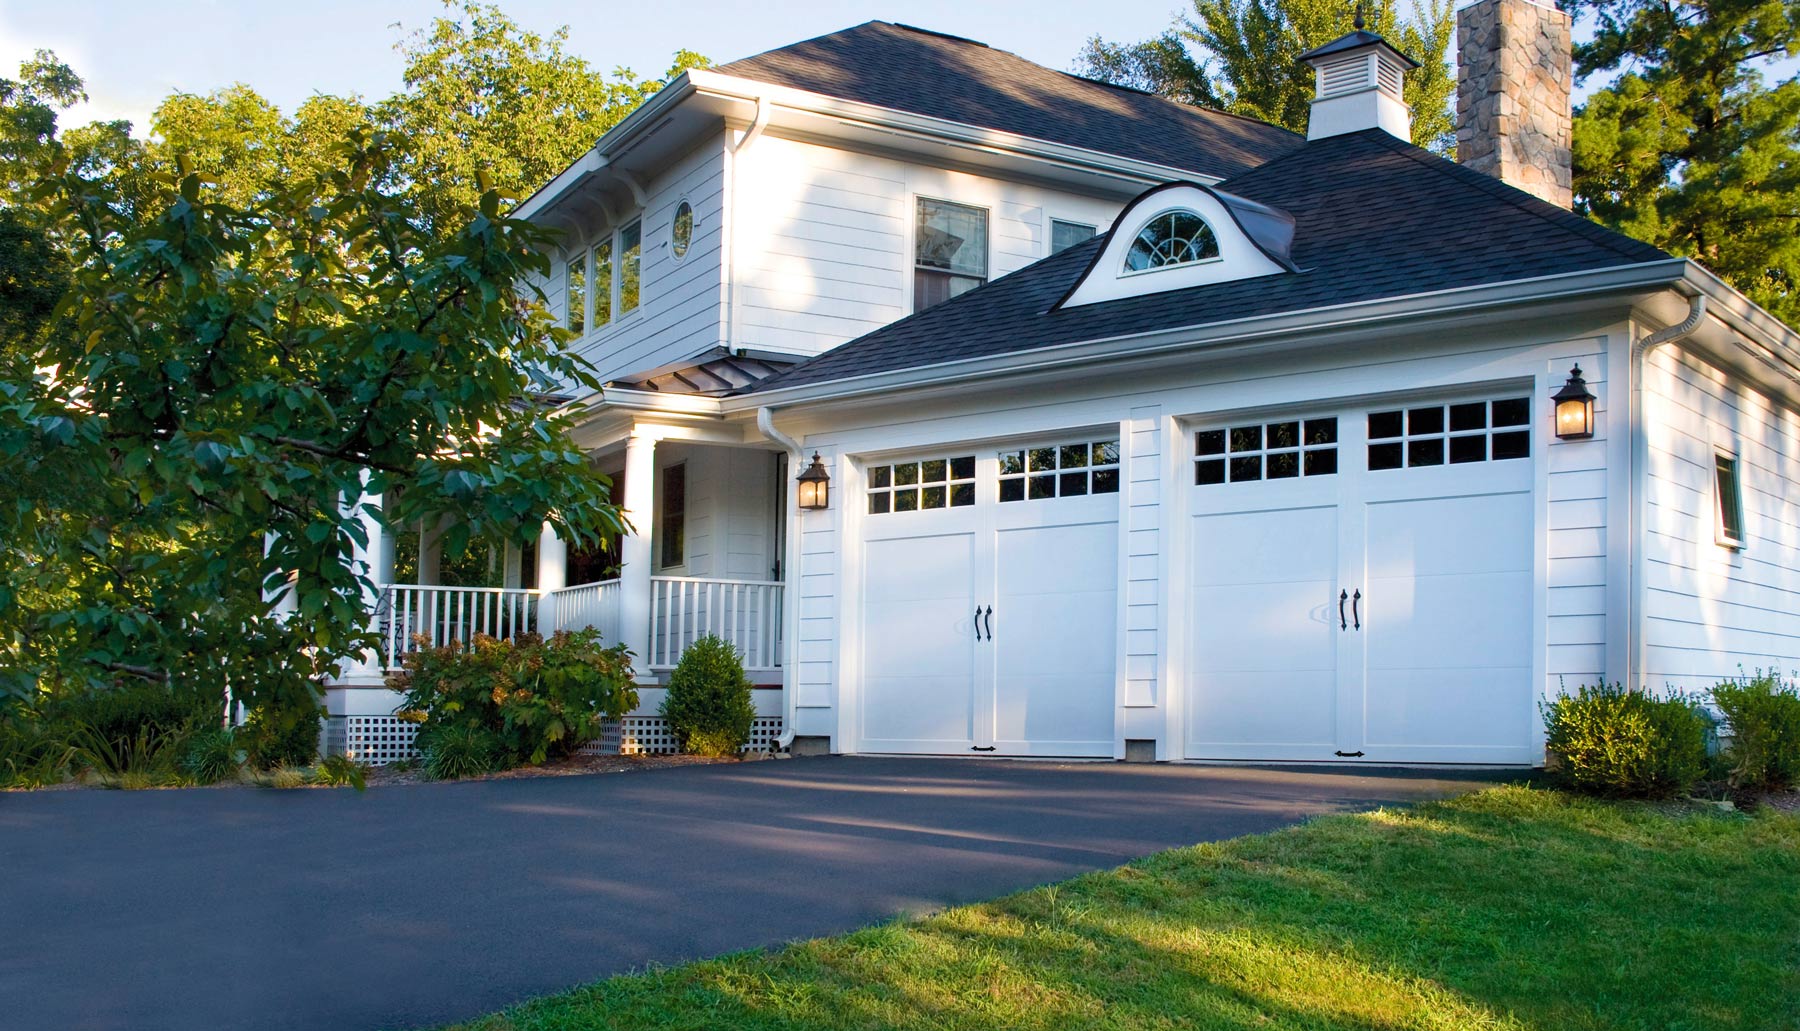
(1375,217)
(940,76)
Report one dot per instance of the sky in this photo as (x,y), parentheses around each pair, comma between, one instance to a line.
(134,53)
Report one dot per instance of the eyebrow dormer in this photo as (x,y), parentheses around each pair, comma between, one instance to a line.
(1182,235)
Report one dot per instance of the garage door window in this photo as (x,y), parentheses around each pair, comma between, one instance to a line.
(1453,434)
(1060,471)
(1266,451)
(925,484)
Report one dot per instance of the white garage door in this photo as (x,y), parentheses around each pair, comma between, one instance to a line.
(1361,586)
(990,602)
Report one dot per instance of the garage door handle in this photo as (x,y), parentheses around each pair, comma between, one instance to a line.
(1343,596)
(1356,607)
(977,622)
(1348,755)
(990,622)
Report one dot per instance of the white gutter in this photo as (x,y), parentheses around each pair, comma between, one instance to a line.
(790,568)
(616,141)
(1640,474)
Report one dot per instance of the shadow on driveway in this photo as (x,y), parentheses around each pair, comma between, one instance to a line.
(416,905)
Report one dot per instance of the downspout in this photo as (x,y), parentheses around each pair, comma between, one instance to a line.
(790,567)
(1640,475)
(758,123)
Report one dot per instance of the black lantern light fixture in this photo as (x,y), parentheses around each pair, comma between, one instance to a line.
(1574,408)
(815,486)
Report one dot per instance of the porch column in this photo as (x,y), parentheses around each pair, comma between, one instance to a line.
(634,547)
(431,552)
(552,575)
(366,562)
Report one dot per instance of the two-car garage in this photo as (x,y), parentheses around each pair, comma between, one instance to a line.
(1352,584)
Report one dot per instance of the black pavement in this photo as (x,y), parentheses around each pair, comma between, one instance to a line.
(414,905)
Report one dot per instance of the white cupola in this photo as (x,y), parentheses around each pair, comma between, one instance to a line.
(1360,77)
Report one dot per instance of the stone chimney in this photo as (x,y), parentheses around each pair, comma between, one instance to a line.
(1512,95)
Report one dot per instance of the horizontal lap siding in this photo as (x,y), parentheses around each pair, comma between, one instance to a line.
(681,312)
(1710,612)
(825,238)
(1575,546)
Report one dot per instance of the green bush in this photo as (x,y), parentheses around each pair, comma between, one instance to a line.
(212,754)
(341,771)
(1605,740)
(1763,714)
(118,719)
(285,735)
(461,750)
(708,705)
(528,698)
(32,753)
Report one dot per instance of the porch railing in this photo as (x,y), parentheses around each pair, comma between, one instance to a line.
(444,614)
(747,613)
(588,605)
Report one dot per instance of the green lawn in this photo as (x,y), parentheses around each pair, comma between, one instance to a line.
(1509,908)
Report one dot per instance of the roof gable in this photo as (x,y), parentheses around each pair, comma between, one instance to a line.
(939,76)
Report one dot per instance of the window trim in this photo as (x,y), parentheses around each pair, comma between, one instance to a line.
(1126,272)
(1726,453)
(912,240)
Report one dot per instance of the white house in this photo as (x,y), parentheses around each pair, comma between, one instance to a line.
(1151,432)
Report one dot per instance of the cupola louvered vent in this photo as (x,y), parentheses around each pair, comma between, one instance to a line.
(1361,85)
(1347,74)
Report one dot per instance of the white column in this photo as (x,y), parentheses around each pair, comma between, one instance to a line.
(635,547)
(366,562)
(512,566)
(431,552)
(552,575)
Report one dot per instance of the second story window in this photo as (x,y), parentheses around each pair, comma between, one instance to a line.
(631,254)
(603,282)
(949,251)
(1064,235)
(575,294)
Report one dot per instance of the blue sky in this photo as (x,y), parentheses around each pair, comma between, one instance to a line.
(133,53)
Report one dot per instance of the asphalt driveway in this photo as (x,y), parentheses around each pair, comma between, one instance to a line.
(414,905)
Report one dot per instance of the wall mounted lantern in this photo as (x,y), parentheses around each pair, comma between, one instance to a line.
(815,486)
(1574,408)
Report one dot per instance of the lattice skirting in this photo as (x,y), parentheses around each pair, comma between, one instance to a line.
(375,740)
(379,740)
(650,735)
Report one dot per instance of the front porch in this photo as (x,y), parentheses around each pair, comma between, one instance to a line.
(705,558)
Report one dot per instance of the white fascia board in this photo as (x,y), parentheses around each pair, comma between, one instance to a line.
(1176,342)
(1772,343)
(618,399)
(615,141)
(940,130)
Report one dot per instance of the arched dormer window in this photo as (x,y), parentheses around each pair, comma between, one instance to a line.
(1178,237)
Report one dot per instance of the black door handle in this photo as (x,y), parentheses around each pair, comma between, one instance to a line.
(977,622)
(990,622)
(1356,607)
(1343,596)
(1349,755)
(979,748)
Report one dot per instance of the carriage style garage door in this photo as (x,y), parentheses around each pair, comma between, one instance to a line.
(1361,585)
(990,605)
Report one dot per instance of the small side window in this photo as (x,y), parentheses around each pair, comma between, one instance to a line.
(631,253)
(1728,500)
(575,294)
(673,525)
(1064,235)
(681,231)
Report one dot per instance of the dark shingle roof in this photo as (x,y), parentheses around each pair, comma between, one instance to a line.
(714,372)
(1375,217)
(926,73)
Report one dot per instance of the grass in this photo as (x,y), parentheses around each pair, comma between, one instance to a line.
(1508,908)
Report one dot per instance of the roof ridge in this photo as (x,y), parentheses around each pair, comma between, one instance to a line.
(1531,205)
(1181,104)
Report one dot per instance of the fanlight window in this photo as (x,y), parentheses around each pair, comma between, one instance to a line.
(1172,238)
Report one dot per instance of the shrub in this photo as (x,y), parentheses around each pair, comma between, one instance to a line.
(1605,740)
(285,733)
(708,705)
(32,753)
(461,751)
(118,717)
(150,758)
(212,754)
(341,771)
(1763,713)
(529,698)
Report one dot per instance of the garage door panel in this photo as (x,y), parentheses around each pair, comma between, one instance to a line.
(1429,709)
(918,645)
(1448,621)
(1055,638)
(1263,714)
(1449,536)
(1247,627)
(1264,546)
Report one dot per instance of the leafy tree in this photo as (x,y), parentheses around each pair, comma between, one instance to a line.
(1691,147)
(1243,56)
(484,94)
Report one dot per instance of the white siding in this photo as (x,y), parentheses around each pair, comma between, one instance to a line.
(1711,611)
(730,529)
(1575,520)
(1143,555)
(825,237)
(681,311)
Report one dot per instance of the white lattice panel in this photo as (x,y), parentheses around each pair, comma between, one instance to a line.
(379,740)
(650,735)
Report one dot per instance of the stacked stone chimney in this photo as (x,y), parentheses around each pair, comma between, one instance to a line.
(1512,95)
